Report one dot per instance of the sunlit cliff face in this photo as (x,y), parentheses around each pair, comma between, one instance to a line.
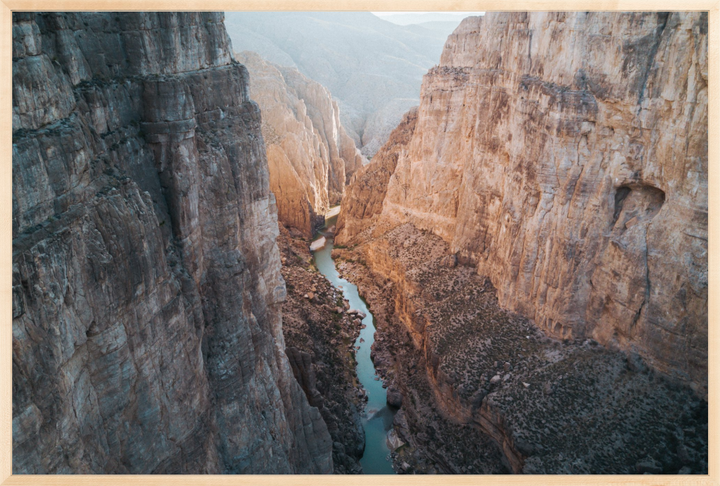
(546,153)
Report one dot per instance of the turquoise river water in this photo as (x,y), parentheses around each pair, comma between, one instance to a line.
(377,418)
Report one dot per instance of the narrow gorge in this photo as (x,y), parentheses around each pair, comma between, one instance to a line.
(310,156)
(222,265)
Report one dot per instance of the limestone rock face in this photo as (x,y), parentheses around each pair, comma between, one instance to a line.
(565,156)
(146,277)
(310,156)
(363,203)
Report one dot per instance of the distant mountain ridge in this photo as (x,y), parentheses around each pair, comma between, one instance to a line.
(372,67)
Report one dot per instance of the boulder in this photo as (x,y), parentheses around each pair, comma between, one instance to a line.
(394,397)
(318,244)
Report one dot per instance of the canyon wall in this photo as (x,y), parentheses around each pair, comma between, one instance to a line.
(310,156)
(146,276)
(362,206)
(564,155)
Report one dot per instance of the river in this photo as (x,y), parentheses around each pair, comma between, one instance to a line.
(377,418)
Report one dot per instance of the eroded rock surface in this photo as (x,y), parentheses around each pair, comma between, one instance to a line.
(550,199)
(319,344)
(483,389)
(363,203)
(565,156)
(310,156)
(147,288)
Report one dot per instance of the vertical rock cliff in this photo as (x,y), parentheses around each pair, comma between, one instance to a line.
(564,155)
(146,277)
(310,156)
(367,190)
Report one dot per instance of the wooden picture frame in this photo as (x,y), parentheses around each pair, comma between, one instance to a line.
(9,6)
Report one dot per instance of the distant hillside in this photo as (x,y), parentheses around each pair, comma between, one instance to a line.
(372,67)
(442,27)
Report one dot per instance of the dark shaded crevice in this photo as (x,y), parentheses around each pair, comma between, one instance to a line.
(620,195)
(662,22)
(636,318)
(530,50)
(647,280)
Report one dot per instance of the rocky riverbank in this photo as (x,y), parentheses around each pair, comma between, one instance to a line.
(319,335)
(482,387)
(431,442)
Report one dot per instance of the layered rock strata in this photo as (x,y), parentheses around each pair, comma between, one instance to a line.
(470,372)
(564,155)
(366,193)
(147,287)
(310,156)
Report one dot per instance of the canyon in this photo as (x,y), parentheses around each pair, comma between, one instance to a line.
(535,235)
(528,245)
(310,156)
(372,67)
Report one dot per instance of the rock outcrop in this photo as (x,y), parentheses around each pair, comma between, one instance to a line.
(565,156)
(319,344)
(310,157)
(147,289)
(372,67)
(366,193)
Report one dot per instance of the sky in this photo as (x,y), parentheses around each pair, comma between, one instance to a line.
(405,18)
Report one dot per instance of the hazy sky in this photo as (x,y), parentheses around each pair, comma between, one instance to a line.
(405,18)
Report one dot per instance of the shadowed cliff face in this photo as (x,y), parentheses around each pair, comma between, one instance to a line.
(146,278)
(565,156)
(310,157)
